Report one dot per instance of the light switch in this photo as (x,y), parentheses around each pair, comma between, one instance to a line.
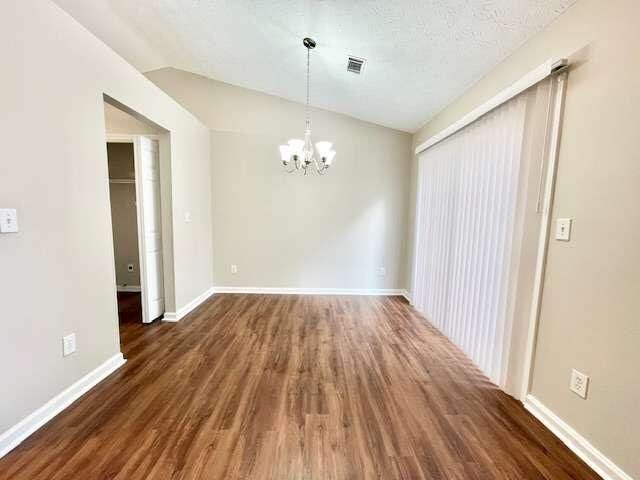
(187,216)
(563,229)
(8,220)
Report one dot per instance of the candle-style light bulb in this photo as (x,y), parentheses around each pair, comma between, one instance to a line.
(285,154)
(328,158)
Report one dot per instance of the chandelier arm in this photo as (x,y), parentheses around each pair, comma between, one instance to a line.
(315,162)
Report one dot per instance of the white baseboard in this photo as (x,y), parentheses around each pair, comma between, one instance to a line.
(576,442)
(311,291)
(19,432)
(176,316)
(182,312)
(129,288)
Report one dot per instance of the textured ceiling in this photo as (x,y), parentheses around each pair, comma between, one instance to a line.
(421,54)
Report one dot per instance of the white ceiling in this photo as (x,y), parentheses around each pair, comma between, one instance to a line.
(421,54)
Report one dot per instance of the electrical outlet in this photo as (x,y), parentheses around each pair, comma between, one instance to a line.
(8,220)
(234,268)
(563,229)
(68,344)
(579,383)
(130,267)
(382,271)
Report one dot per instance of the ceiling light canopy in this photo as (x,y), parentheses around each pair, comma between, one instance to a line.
(298,155)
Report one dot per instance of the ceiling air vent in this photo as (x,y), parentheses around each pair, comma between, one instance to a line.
(355,65)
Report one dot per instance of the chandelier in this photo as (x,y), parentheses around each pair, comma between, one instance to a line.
(299,154)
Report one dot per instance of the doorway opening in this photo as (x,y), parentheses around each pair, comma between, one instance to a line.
(139,215)
(124,224)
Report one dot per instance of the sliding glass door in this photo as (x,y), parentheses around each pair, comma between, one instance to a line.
(478,225)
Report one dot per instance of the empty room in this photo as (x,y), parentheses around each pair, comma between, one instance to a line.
(320,239)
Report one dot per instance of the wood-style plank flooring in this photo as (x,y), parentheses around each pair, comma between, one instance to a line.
(129,309)
(293,387)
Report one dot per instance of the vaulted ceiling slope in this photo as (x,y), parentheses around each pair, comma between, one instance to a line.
(421,54)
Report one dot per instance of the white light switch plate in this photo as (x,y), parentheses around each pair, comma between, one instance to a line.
(187,216)
(8,220)
(579,383)
(68,344)
(563,229)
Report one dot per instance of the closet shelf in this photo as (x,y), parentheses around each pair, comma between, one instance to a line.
(122,180)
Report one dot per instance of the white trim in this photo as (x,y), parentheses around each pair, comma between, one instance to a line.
(527,81)
(579,445)
(19,432)
(140,227)
(127,181)
(170,317)
(313,291)
(182,312)
(129,288)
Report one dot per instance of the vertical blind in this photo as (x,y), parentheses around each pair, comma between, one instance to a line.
(466,214)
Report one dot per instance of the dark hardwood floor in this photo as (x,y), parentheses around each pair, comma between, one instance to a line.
(293,387)
(129,308)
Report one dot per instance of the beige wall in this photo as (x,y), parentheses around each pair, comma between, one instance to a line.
(282,230)
(590,312)
(57,272)
(124,220)
(119,122)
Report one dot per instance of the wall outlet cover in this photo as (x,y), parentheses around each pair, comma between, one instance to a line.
(579,383)
(8,220)
(68,344)
(234,268)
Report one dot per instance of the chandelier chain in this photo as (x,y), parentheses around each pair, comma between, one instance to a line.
(308,94)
